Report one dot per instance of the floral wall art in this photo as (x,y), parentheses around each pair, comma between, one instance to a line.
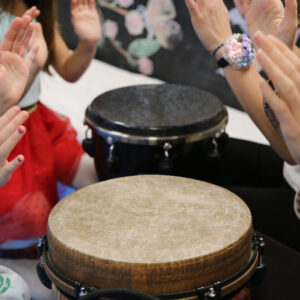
(156,38)
(152,26)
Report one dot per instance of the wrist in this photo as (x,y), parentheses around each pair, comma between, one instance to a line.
(88,45)
(237,51)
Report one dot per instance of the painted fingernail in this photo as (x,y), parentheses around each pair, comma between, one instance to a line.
(20,159)
(21,130)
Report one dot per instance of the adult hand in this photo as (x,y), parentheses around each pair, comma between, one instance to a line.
(283,68)
(14,68)
(270,17)
(11,132)
(85,20)
(210,20)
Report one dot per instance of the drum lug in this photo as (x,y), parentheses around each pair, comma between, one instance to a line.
(112,160)
(213,291)
(214,151)
(260,271)
(166,165)
(88,145)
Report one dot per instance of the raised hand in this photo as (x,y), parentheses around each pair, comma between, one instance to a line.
(14,68)
(42,54)
(283,68)
(11,132)
(85,20)
(271,17)
(210,20)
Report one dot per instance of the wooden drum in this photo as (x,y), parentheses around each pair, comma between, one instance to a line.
(152,233)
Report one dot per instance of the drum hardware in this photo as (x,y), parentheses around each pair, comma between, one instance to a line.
(113,161)
(88,144)
(260,272)
(213,291)
(142,119)
(166,165)
(214,153)
(177,263)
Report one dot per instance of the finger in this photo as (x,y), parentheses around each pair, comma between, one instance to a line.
(291,12)
(74,5)
(10,142)
(285,86)
(11,34)
(13,125)
(8,116)
(91,4)
(9,168)
(17,43)
(269,43)
(33,12)
(286,60)
(31,55)
(25,42)
(193,8)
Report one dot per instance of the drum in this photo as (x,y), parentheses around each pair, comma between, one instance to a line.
(167,236)
(154,129)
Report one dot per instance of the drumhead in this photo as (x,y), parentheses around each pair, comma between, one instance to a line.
(154,233)
(159,110)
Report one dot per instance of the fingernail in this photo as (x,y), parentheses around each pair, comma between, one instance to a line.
(21,130)
(20,159)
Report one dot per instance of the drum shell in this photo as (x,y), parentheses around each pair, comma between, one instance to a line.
(190,160)
(162,274)
(133,126)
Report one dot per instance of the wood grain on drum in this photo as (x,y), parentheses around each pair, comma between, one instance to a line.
(154,233)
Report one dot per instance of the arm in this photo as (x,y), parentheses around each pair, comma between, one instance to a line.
(282,67)
(86,24)
(244,83)
(11,132)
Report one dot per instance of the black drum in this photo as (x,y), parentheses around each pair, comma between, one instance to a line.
(154,129)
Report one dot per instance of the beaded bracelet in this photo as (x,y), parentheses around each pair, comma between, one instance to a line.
(213,52)
(238,51)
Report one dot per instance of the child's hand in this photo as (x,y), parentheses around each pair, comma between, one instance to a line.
(42,54)
(14,68)
(11,132)
(85,20)
(32,12)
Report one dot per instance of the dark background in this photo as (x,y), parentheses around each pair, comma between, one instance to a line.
(188,64)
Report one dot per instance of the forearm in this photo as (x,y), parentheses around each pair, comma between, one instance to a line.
(245,85)
(78,61)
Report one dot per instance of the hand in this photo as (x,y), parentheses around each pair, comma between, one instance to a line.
(11,132)
(14,69)
(270,17)
(283,68)
(210,20)
(85,20)
(42,54)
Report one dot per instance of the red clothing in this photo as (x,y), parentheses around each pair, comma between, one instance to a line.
(52,153)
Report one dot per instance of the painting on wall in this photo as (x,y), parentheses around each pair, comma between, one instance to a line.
(156,38)
(152,26)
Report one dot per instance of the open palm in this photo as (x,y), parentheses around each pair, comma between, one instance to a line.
(85,20)
(14,72)
(14,68)
(270,17)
